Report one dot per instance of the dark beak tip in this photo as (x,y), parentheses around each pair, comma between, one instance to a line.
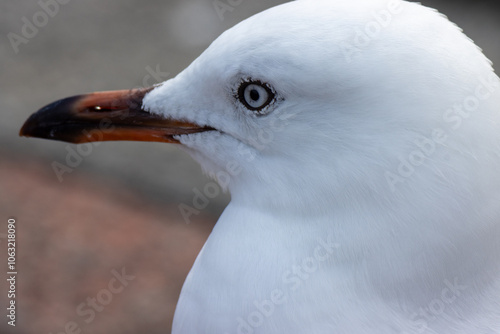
(28,128)
(24,132)
(37,124)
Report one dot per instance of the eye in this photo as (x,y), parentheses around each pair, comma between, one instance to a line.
(255,95)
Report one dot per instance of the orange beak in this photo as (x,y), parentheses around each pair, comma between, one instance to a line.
(104,116)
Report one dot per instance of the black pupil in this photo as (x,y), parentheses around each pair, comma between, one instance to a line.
(254,95)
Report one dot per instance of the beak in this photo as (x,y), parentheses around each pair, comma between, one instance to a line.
(104,116)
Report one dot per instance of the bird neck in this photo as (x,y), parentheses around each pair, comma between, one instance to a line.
(291,262)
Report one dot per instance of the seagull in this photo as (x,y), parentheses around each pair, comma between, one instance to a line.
(360,143)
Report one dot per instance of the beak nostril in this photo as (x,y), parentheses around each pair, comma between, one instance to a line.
(93,109)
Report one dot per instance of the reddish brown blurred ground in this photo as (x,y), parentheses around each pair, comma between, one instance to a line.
(71,236)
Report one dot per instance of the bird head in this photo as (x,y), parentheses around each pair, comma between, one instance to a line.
(328,93)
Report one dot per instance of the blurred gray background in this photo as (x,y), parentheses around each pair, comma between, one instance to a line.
(119,207)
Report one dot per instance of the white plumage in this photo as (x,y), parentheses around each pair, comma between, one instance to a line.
(366,196)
